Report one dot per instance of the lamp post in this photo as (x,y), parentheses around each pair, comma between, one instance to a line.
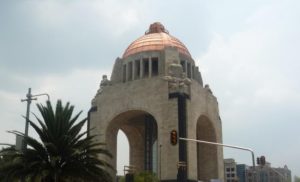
(29,98)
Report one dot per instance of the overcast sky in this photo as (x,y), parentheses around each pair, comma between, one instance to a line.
(247,51)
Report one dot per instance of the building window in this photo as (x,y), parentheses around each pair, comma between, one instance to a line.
(182,62)
(146,67)
(137,69)
(232,175)
(193,71)
(227,169)
(232,169)
(130,71)
(228,175)
(124,73)
(154,66)
(189,70)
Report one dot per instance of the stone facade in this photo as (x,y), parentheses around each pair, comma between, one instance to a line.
(137,100)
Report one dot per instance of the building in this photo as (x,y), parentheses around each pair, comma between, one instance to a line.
(241,172)
(246,173)
(156,89)
(269,174)
(230,170)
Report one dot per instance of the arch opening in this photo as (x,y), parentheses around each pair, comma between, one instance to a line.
(140,128)
(207,155)
(122,155)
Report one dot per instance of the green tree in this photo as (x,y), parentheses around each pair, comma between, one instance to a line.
(5,160)
(62,154)
(143,176)
(296,179)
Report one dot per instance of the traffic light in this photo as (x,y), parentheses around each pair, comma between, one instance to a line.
(258,160)
(173,137)
(263,160)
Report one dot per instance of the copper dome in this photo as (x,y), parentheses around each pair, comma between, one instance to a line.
(155,39)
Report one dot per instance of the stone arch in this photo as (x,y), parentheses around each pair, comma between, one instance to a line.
(140,127)
(207,155)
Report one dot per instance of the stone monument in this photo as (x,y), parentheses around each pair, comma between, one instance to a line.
(156,88)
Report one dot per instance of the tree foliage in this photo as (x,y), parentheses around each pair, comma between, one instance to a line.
(63,153)
(143,176)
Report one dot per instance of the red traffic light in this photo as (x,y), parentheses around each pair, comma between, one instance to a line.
(173,137)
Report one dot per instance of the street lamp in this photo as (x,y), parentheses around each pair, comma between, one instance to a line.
(29,98)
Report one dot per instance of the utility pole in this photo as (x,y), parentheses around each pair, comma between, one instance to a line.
(29,98)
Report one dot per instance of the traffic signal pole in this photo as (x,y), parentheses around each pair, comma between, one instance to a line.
(223,145)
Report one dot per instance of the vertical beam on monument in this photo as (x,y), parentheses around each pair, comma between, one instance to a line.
(182,133)
(148,142)
(181,98)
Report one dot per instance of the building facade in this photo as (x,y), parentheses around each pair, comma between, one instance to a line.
(264,173)
(155,88)
(230,170)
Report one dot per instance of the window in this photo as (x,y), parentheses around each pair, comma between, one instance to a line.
(182,62)
(130,71)
(227,169)
(193,71)
(232,175)
(146,67)
(137,69)
(154,66)
(228,175)
(189,73)
(232,169)
(124,73)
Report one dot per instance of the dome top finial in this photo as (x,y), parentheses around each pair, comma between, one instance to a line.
(156,27)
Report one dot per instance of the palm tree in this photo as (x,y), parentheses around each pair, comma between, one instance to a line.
(63,154)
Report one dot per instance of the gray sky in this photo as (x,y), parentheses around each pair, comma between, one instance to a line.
(247,51)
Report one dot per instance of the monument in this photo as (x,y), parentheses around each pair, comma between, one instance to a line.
(156,89)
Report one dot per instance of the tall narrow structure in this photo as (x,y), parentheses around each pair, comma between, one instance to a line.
(156,88)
